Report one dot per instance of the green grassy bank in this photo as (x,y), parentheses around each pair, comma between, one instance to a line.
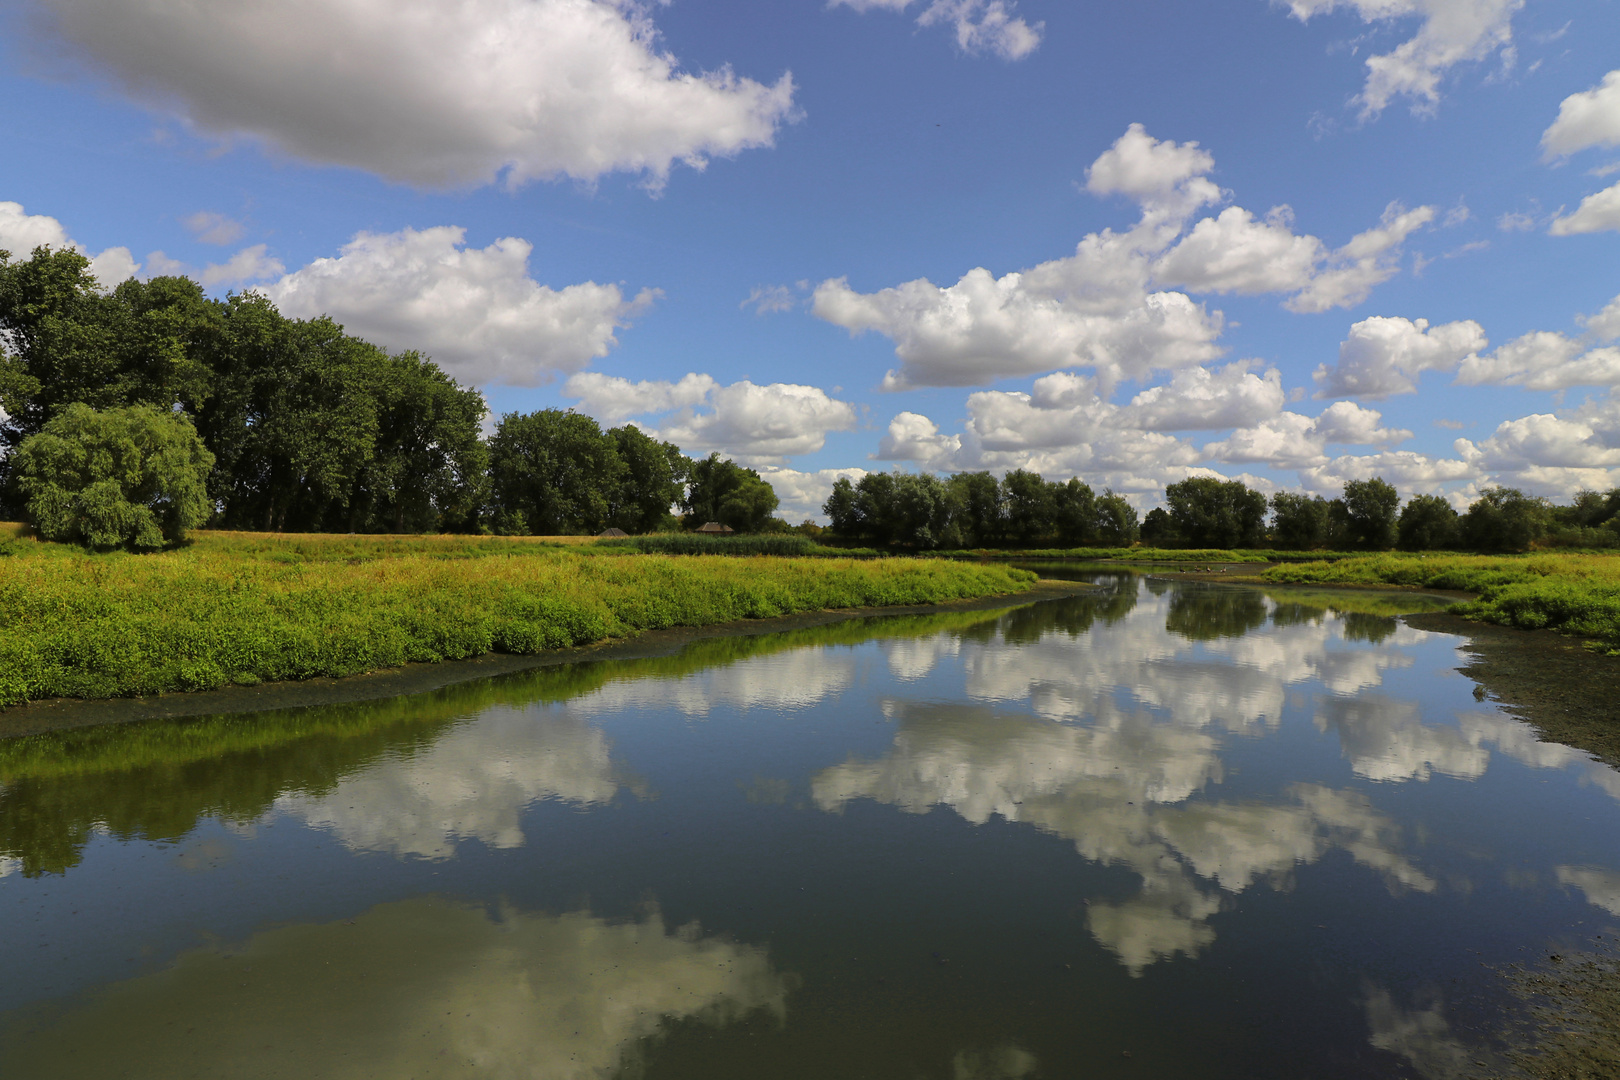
(246,608)
(1573,593)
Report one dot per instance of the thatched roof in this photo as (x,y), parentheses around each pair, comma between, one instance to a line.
(715,528)
(611,534)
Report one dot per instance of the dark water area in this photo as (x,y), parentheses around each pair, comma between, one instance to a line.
(1158,829)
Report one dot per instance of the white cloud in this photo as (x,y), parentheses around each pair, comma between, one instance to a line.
(1205,398)
(1543,441)
(1410,472)
(914,437)
(1384,356)
(1107,306)
(1369,259)
(1597,213)
(1453,31)
(1516,221)
(213,228)
(980,25)
(801,494)
(1547,360)
(1587,119)
(431,93)
(754,424)
(475,311)
(22,232)
(1601,887)
(612,399)
(1292,441)
(249,264)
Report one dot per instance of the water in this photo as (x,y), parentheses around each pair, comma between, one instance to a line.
(1162,829)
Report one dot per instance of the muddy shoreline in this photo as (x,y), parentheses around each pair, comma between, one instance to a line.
(60,714)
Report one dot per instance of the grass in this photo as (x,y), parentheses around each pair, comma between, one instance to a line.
(247,608)
(1569,592)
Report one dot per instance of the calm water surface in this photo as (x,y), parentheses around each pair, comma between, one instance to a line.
(1157,830)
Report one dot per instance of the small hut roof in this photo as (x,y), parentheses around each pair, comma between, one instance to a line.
(715,527)
(611,534)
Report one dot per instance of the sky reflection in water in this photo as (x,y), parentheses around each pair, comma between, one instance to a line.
(1169,828)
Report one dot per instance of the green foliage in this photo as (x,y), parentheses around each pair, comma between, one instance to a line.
(1369,514)
(718,489)
(1216,513)
(654,473)
(128,477)
(1576,594)
(1504,519)
(1298,521)
(238,609)
(553,473)
(1428,523)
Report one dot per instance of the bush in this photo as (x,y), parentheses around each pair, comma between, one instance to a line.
(130,477)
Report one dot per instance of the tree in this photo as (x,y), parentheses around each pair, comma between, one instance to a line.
(843,510)
(1370,509)
(1298,521)
(1428,523)
(718,489)
(1158,530)
(920,515)
(1030,506)
(979,509)
(1116,520)
(1075,513)
(1208,512)
(654,473)
(552,473)
(1504,519)
(129,477)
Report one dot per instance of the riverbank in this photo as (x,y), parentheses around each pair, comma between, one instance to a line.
(1576,594)
(243,609)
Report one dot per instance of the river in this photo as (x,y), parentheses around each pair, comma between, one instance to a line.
(1158,829)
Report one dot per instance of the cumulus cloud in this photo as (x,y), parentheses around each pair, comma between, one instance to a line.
(913,437)
(21,232)
(428,93)
(1205,398)
(1109,306)
(1452,32)
(802,494)
(754,424)
(1548,360)
(1597,213)
(1384,356)
(980,26)
(1587,119)
(476,311)
(1292,441)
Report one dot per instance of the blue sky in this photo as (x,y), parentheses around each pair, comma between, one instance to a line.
(976,234)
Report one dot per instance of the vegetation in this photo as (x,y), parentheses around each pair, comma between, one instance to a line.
(922,512)
(243,609)
(1572,593)
(130,477)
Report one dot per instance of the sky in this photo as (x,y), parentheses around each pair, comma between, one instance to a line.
(1295,242)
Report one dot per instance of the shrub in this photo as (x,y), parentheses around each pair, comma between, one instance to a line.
(130,477)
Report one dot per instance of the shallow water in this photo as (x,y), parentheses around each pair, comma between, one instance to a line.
(1161,829)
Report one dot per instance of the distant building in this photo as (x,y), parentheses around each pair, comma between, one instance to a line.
(714,528)
(611,534)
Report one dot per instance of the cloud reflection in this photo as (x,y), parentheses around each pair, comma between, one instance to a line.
(1601,887)
(1122,790)
(419,988)
(471,783)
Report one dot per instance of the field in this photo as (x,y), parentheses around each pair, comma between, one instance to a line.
(1573,593)
(246,607)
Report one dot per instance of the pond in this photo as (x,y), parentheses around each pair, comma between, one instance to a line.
(1156,829)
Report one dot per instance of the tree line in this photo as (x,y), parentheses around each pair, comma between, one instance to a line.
(1024,510)
(150,393)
